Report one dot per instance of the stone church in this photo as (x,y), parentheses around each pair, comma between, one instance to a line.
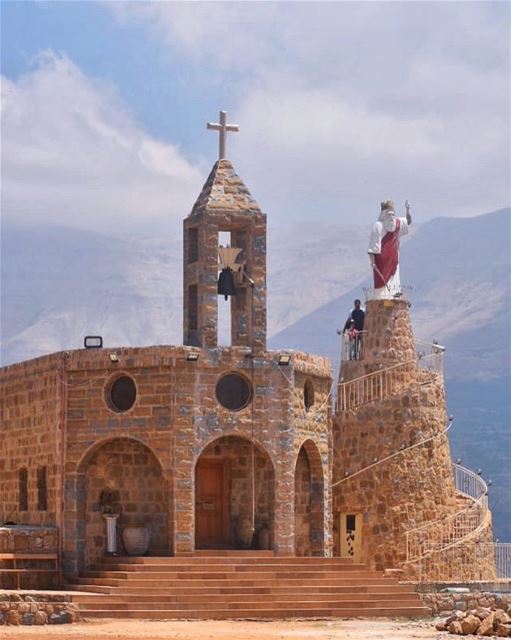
(237,447)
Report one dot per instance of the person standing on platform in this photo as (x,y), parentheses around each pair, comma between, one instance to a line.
(353,330)
(357,314)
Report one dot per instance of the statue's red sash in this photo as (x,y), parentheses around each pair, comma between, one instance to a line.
(387,260)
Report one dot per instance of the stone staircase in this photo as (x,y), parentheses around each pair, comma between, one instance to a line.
(245,584)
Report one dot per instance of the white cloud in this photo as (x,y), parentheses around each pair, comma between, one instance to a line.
(315,152)
(342,104)
(72,154)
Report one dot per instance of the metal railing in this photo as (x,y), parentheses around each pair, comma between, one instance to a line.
(440,535)
(465,562)
(352,346)
(502,556)
(388,381)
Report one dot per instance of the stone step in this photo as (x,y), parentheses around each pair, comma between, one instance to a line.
(234,553)
(132,576)
(90,588)
(207,592)
(118,566)
(189,561)
(240,585)
(248,604)
(224,613)
(212,582)
(152,601)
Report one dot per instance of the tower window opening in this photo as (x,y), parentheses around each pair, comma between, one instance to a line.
(193,245)
(308,394)
(23,489)
(224,306)
(42,494)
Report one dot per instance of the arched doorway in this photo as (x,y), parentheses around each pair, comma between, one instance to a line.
(309,502)
(234,487)
(125,476)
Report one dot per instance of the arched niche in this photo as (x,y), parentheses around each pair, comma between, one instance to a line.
(131,474)
(309,502)
(234,489)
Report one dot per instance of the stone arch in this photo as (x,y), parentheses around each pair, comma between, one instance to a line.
(129,469)
(309,507)
(225,495)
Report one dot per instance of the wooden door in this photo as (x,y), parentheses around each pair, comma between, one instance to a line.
(211,504)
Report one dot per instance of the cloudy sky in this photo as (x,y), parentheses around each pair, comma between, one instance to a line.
(341,105)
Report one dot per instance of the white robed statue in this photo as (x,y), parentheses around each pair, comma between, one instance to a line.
(384,250)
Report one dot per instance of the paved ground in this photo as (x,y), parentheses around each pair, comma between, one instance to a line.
(372,629)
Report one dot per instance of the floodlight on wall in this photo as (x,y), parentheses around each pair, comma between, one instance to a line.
(192,356)
(114,357)
(93,342)
(284,359)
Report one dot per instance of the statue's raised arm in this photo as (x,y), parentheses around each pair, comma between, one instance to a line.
(384,249)
(408,208)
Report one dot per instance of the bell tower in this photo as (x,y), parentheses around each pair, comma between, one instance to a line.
(224,205)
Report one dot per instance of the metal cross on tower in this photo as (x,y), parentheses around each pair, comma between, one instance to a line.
(223,127)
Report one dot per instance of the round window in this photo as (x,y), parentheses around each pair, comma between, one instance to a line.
(122,394)
(308,394)
(233,391)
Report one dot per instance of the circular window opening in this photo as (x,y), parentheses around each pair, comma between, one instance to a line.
(308,394)
(122,394)
(233,391)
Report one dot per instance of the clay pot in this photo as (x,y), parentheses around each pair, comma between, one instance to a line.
(136,539)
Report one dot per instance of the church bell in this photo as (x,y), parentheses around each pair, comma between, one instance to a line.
(226,285)
(227,262)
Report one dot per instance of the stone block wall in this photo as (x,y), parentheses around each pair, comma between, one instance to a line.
(412,488)
(19,608)
(445,603)
(137,442)
(147,454)
(415,486)
(303,505)
(132,473)
(175,418)
(224,205)
(31,400)
(313,424)
(28,539)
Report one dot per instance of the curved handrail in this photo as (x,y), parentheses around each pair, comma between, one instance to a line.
(388,381)
(454,529)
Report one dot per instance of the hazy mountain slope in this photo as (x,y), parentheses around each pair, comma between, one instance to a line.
(309,265)
(59,285)
(459,269)
(481,437)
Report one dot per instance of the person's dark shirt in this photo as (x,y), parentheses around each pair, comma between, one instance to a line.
(357,315)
